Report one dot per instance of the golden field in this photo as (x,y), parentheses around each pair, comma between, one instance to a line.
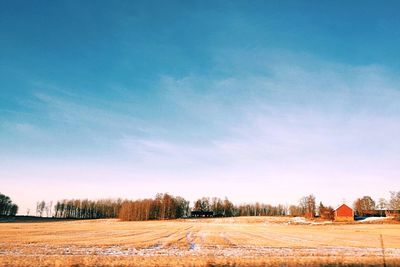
(242,241)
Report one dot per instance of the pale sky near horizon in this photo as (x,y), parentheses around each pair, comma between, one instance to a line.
(262,101)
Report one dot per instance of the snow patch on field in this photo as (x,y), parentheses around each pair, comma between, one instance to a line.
(372,219)
(322,222)
(194,250)
(297,220)
(302,220)
(155,246)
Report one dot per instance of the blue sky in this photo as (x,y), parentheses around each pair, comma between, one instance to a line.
(258,101)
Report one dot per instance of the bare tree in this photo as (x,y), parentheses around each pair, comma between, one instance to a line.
(308,206)
(48,208)
(394,201)
(364,206)
(40,206)
(382,204)
(295,210)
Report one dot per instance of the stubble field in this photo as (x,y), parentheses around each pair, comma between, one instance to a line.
(244,241)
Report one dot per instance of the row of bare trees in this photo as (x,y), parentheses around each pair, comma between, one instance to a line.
(166,206)
(260,209)
(87,209)
(221,208)
(163,206)
(7,207)
(226,208)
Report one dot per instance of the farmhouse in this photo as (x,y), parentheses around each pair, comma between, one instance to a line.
(201,213)
(344,213)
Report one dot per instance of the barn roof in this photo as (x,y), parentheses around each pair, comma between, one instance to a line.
(342,206)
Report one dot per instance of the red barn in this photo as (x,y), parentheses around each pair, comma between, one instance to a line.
(344,213)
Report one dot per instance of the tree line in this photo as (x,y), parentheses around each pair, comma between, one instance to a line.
(166,206)
(260,209)
(220,208)
(225,208)
(163,206)
(7,207)
(86,209)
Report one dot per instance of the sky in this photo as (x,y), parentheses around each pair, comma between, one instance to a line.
(262,101)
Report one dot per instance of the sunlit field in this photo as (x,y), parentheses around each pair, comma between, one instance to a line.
(244,241)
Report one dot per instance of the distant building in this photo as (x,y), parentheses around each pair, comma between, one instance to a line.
(200,213)
(344,213)
(392,213)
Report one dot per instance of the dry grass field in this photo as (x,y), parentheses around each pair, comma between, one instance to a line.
(243,241)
